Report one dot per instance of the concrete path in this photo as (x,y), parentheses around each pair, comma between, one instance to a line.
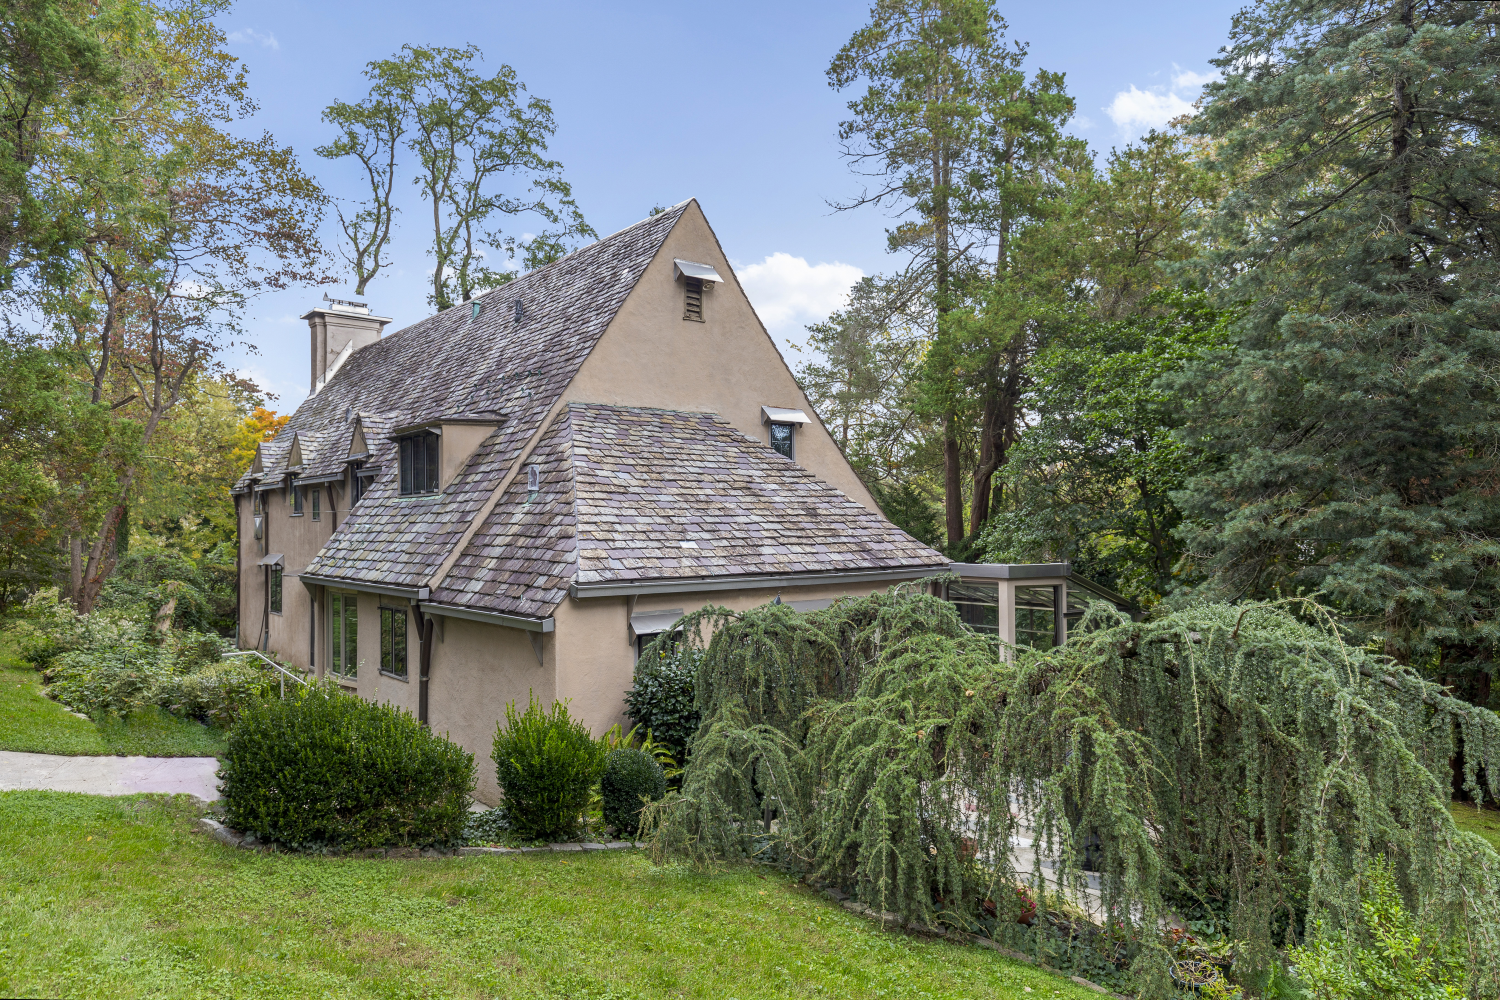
(109,775)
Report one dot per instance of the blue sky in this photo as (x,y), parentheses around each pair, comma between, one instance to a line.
(656,103)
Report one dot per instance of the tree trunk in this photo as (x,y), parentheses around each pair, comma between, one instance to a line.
(953,494)
(101,562)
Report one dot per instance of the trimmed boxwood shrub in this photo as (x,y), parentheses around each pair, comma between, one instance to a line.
(547,764)
(631,776)
(327,769)
(661,701)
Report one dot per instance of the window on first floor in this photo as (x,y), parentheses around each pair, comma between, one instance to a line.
(343,634)
(276,590)
(393,641)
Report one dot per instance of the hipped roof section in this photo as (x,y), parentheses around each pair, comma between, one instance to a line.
(629,494)
(452,363)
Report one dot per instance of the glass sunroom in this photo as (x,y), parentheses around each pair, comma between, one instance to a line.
(1026,604)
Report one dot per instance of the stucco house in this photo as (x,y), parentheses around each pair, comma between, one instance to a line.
(509,496)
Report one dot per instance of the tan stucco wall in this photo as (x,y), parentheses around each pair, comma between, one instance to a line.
(728,364)
(298,538)
(596,655)
(476,669)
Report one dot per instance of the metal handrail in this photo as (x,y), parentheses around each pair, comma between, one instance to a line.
(276,666)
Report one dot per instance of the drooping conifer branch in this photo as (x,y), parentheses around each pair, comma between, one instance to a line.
(1240,756)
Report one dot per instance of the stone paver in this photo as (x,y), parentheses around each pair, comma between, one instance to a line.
(109,775)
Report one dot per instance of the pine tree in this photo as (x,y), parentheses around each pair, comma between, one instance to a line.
(1356,414)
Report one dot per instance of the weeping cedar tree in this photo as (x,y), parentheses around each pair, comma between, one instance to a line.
(1229,753)
(1356,414)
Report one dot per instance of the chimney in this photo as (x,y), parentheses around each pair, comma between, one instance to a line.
(338,330)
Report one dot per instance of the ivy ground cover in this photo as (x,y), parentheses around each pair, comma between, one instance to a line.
(120,897)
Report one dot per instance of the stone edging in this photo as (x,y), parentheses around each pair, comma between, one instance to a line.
(892,921)
(234,838)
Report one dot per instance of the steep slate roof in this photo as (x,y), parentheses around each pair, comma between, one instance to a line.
(449,364)
(620,487)
(623,488)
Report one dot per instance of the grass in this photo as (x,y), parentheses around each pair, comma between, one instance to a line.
(1484,822)
(32,722)
(119,897)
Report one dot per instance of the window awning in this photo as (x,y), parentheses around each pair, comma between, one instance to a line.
(688,269)
(781,415)
(274,559)
(654,622)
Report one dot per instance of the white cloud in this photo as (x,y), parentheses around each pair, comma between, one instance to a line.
(790,293)
(1134,111)
(252,37)
(1186,79)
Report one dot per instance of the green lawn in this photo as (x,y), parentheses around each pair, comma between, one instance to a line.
(118,897)
(32,722)
(1485,822)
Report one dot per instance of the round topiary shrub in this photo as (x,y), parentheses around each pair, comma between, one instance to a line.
(547,764)
(661,701)
(327,769)
(631,778)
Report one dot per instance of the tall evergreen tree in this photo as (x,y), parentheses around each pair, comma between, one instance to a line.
(1356,415)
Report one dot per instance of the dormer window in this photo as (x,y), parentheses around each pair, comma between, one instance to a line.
(296,501)
(781,424)
(356,482)
(419,463)
(784,439)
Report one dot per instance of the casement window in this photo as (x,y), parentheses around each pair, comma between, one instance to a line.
(317,503)
(343,634)
(784,439)
(276,590)
(693,307)
(393,642)
(419,463)
(357,483)
(296,501)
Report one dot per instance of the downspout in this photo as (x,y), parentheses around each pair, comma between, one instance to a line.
(265,613)
(424,661)
(239,542)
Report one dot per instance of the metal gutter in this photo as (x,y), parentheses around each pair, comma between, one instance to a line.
(490,617)
(410,593)
(1011,571)
(688,585)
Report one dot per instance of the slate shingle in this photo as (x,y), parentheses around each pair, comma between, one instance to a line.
(622,488)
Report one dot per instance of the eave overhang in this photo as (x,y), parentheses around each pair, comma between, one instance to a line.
(490,617)
(688,585)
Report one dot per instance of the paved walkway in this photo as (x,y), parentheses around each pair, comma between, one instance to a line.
(109,775)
